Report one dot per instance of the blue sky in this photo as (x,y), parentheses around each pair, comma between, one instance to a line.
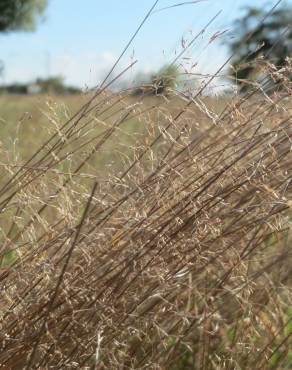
(80,39)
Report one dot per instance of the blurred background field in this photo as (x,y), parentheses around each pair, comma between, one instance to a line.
(27,121)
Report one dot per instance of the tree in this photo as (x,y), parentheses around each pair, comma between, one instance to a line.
(271,39)
(56,85)
(20,15)
(162,82)
(166,80)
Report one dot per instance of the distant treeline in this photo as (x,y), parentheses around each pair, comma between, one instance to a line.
(52,85)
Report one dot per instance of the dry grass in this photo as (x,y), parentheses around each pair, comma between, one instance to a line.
(176,256)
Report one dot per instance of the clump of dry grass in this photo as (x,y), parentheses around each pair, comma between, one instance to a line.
(180,259)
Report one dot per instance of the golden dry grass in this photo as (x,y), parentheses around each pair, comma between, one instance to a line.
(148,234)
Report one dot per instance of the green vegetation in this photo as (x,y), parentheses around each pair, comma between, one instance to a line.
(259,41)
(163,82)
(51,85)
(20,15)
(8,259)
(166,80)
(55,85)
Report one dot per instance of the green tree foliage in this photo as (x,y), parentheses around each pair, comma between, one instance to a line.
(52,85)
(271,39)
(162,82)
(20,14)
(166,80)
(56,85)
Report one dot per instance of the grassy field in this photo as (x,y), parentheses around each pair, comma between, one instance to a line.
(28,121)
(145,232)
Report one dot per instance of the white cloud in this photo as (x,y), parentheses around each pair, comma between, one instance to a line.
(85,69)
(108,57)
(88,69)
(81,69)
